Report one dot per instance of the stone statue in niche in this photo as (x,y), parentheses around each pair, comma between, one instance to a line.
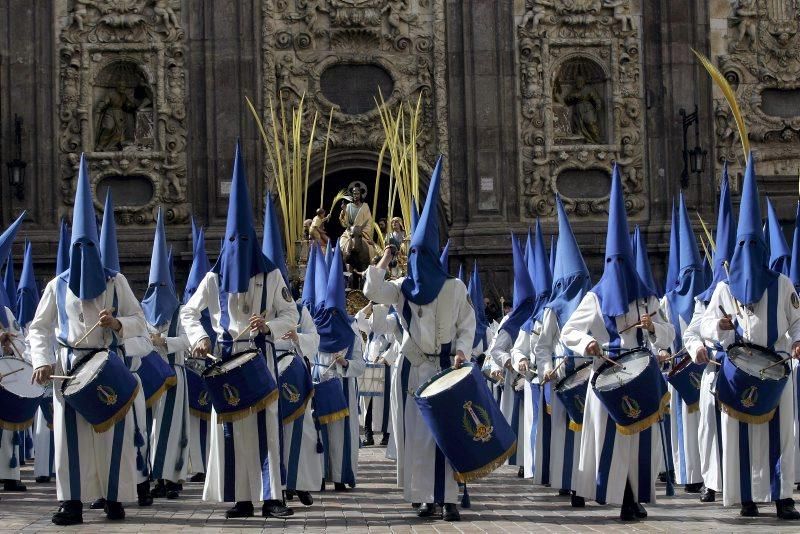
(116,119)
(579,103)
(585,107)
(746,19)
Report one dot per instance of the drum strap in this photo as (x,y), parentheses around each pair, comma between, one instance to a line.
(614,341)
(172,331)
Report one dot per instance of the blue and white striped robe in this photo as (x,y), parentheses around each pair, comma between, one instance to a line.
(512,400)
(12,445)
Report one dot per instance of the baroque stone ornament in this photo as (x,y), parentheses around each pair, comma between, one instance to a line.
(122,91)
(757,47)
(394,44)
(581,105)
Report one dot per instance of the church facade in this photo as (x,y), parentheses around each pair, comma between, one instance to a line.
(525,99)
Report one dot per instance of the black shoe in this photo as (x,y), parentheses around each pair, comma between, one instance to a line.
(198,477)
(114,511)
(322,487)
(426,509)
(42,480)
(693,488)
(627,513)
(240,509)
(99,504)
(159,491)
(708,495)
(450,512)
(385,440)
(520,472)
(339,486)
(275,508)
(305,498)
(577,501)
(69,513)
(564,492)
(368,440)
(749,509)
(639,511)
(415,505)
(14,485)
(289,494)
(786,509)
(143,494)
(173,490)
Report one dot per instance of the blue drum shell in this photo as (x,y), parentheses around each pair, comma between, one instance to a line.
(157,376)
(295,388)
(199,401)
(574,399)
(330,403)
(17,413)
(46,405)
(467,425)
(732,385)
(686,381)
(240,391)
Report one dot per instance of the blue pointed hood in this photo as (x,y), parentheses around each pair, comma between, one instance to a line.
(200,265)
(571,280)
(27,293)
(195,233)
(779,253)
(331,320)
(725,239)
(62,253)
(414,215)
(240,258)
(750,274)
(553,245)
(6,241)
(529,250)
(10,284)
(524,293)
(171,263)
(542,276)
(620,284)
(86,275)
(321,272)
(794,270)
(307,298)
(426,276)
(328,256)
(444,258)
(272,244)
(707,271)
(109,252)
(160,301)
(691,279)
(673,259)
(461,273)
(475,292)
(643,260)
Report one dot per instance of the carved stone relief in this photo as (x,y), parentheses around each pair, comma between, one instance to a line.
(405,39)
(757,47)
(581,106)
(122,92)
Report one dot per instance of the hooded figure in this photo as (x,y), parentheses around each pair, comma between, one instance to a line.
(328,257)
(27,293)
(444,258)
(461,275)
(480,343)
(524,297)
(272,244)
(249,306)
(6,241)
(724,240)
(553,251)
(619,463)
(673,259)
(90,464)
(308,298)
(160,302)
(10,283)
(542,275)
(643,261)
(794,269)
(779,253)
(108,236)
(321,275)
(62,253)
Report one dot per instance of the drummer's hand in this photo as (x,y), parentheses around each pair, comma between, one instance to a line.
(109,321)
(341,360)
(796,350)
(388,254)
(459,360)
(523,366)
(291,334)
(701,356)
(647,323)
(726,323)
(508,365)
(549,375)
(593,349)
(202,349)
(257,322)
(663,356)
(497,375)
(382,361)
(158,340)
(5,341)
(42,374)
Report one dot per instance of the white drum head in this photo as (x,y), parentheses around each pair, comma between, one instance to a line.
(752,361)
(614,377)
(20,382)
(446,382)
(576,378)
(224,367)
(86,373)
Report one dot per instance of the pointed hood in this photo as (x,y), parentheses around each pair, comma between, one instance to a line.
(425,273)
(171,263)
(794,270)
(529,250)
(86,275)
(10,284)
(725,238)
(673,259)
(160,301)
(328,256)
(62,253)
(542,276)
(272,245)
(643,260)
(691,278)
(308,299)
(750,274)
(444,258)
(27,294)
(779,253)
(331,319)
(620,284)
(571,280)
(6,241)
(320,280)
(109,252)
(475,292)
(240,258)
(707,271)
(200,265)
(195,233)
(524,294)
(414,215)
(461,273)
(553,246)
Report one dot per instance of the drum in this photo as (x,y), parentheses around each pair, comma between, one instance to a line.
(633,392)
(296,389)
(686,377)
(102,389)
(373,382)
(19,399)
(46,404)
(157,376)
(199,403)
(330,403)
(240,386)
(746,391)
(571,391)
(466,422)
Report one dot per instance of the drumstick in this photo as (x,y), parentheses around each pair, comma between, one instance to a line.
(62,377)
(735,302)
(609,360)
(11,373)
(770,366)
(248,330)
(637,325)
(92,329)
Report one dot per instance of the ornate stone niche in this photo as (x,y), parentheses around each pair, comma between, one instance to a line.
(581,105)
(122,91)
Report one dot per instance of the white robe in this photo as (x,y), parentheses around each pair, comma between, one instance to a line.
(608,458)
(89,465)
(8,449)
(244,462)
(758,481)
(448,319)
(512,403)
(380,338)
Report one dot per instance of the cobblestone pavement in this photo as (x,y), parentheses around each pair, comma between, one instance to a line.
(500,503)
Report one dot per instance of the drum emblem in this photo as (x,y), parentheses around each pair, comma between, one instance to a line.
(750,397)
(202,399)
(290,392)
(630,407)
(477,423)
(231,394)
(580,404)
(694,379)
(107,395)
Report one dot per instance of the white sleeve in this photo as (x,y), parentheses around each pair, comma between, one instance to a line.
(308,340)
(179,343)
(129,312)
(544,348)
(357,364)
(692,340)
(284,308)
(380,290)
(499,349)
(663,331)
(709,323)
(522,348)
(191,311)
(42,330)
(465,322)
(575,334)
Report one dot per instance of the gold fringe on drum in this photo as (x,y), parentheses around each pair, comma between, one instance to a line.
(333,417)
(647,422)
(238,415)
(15,427)
(575,427)
(475,474)
(170,382)
(691,408)
(205,416)
(746,417)
(299,411)
(117,417)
